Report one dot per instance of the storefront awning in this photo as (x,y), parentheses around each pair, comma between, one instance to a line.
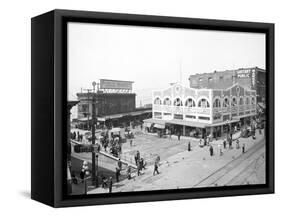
(187,123)
(159,126)
(223,123)
(154,121)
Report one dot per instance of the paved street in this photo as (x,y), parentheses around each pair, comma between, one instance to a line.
(182,169)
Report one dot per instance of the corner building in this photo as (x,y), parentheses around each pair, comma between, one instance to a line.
(201,112)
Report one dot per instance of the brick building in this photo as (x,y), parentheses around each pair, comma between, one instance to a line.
(115,105)
(252,78)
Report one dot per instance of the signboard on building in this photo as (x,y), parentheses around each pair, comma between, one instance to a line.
(244,73)
(115,84)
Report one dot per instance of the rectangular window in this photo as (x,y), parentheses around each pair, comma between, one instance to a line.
(226,117)
(203,118)
(167,114)
(176,116)
(190,116)
(157,115)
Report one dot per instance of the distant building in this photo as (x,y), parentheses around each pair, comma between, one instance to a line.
(252,78)
(107,103)
(115,105)
(201,112)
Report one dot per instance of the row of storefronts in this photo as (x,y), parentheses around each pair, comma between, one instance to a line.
(202,112)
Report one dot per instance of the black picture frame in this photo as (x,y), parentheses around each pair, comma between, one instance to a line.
(49,106)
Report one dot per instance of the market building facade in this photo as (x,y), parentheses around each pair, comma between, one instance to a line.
(201,112)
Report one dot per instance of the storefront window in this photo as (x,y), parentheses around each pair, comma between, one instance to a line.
(157,115)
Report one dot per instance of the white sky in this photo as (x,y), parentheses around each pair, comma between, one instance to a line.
(154,57)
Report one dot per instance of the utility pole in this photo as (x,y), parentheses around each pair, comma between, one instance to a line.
(94,176)
(88,112)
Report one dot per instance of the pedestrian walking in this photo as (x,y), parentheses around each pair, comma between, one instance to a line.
(74,135)
(224,144)
(211,149)
(155,168)
(205,141)
(179,136)
(119,164)
(131,142)
(139,167)
(237,144)
(220,149)
(260,131)
(189,146)
(117,174)
(103,182)
(129,172)
(230,143)
(243,148)
(142,163)
(137,158)
(110,185)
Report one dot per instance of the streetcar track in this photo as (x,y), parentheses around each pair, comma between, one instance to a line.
(254,162)
(230,165)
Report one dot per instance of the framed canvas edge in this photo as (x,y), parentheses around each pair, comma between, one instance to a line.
(62,16)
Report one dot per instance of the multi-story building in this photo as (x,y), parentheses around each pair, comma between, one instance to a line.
(200,112)
(252,78)
(115,105)
(107,103)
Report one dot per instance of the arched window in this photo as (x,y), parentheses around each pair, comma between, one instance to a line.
(253,100)
(203,103)
(157,101)
(167,101)
(241,101)
(234,101)
(247,101)
(217,103)
(177,102)
(225,102)
(190,103)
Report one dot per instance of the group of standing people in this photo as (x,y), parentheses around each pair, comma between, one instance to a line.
(76,136)
(211,149)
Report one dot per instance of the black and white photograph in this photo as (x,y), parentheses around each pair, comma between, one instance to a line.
(154,108)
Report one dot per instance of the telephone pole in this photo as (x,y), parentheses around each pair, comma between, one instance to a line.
(94,147)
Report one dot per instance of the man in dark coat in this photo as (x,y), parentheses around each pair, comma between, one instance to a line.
(110,185)
(179,136)
(230,143)
(243,148)
(155,168)
(211,150)
(137,157)
(117,174)
(224,144)
(189,146)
